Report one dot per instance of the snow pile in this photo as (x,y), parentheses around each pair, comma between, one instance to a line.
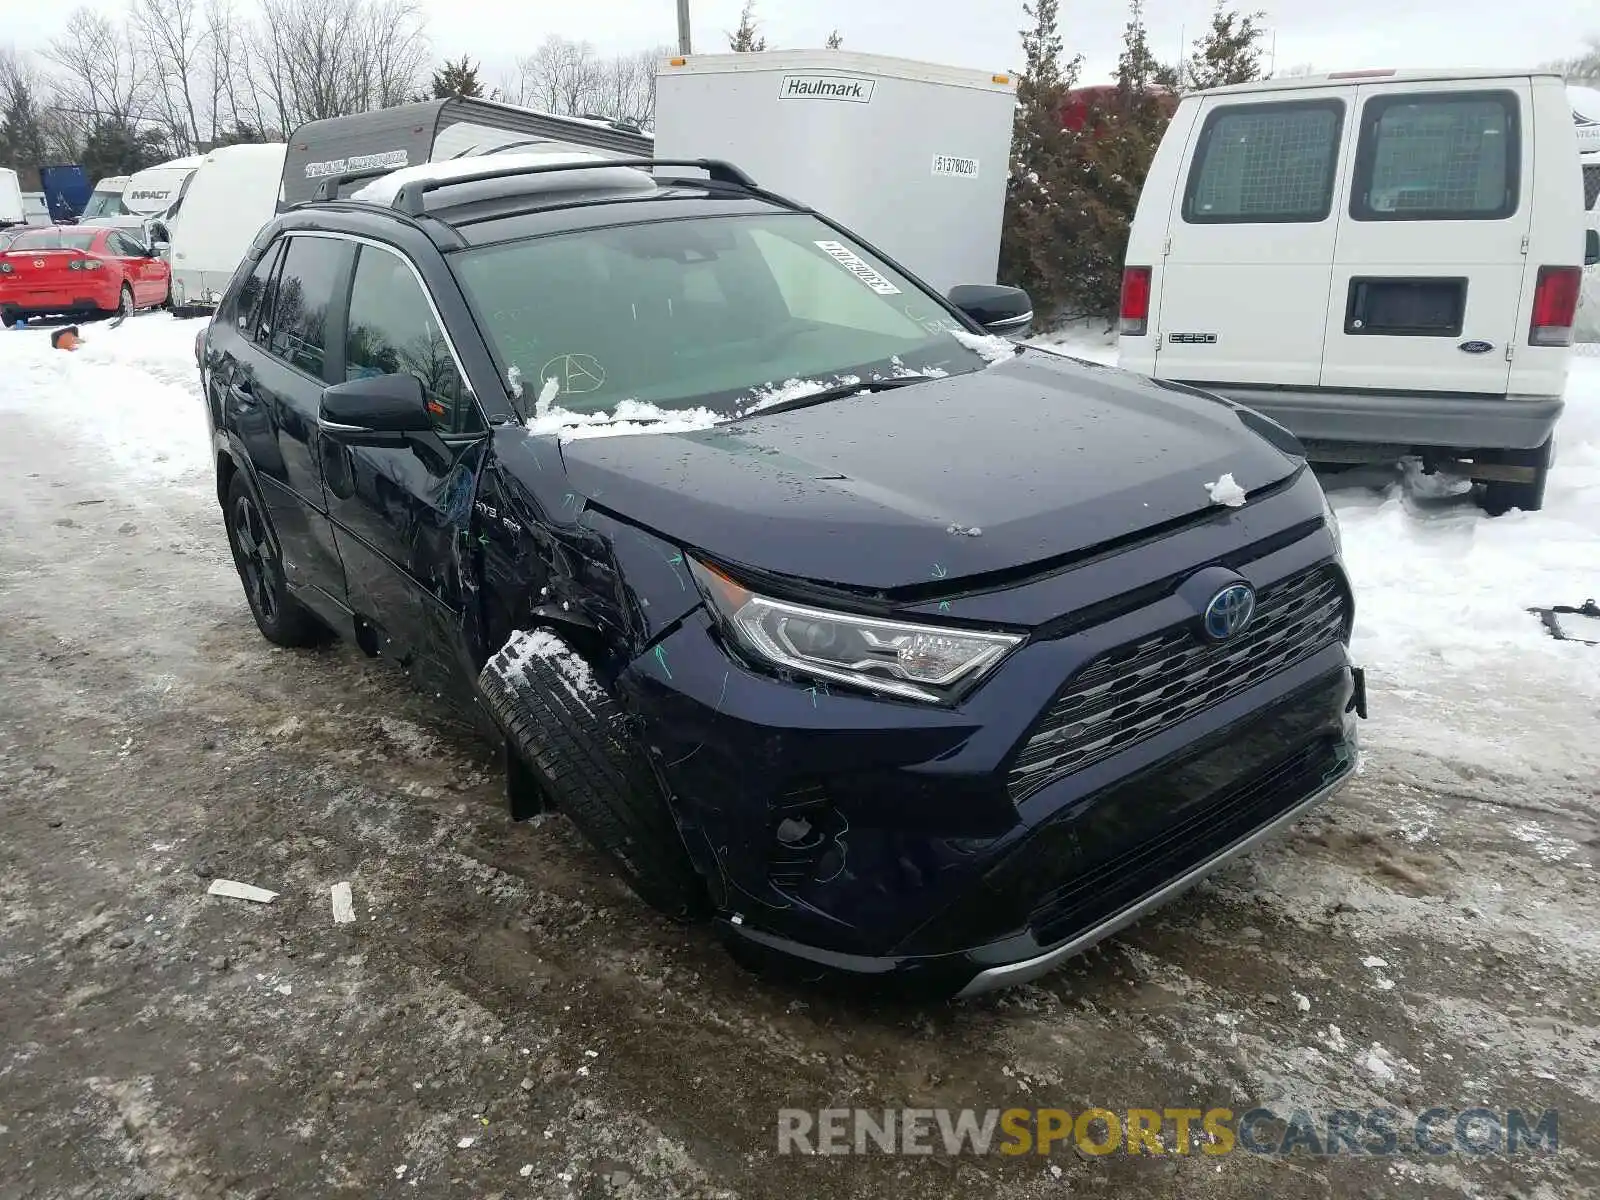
(629,417)
(1441,599)
(135,388)
(384,189)
(990,348)
(1226,491)
(792,389)
(523,646)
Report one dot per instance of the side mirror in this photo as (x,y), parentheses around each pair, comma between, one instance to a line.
(1591,247)
(1005,311)
(379,410)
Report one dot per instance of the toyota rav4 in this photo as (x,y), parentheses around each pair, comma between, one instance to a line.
(898,648)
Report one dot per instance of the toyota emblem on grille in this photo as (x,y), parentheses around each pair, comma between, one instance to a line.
(1230,611)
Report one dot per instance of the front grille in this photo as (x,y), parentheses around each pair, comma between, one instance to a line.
(1089,897)
(1143,688)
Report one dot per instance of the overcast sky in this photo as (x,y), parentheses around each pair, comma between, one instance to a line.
(1342,34)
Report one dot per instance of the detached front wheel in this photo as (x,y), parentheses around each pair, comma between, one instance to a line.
(574,739)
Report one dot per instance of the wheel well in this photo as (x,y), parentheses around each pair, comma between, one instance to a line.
(226,470)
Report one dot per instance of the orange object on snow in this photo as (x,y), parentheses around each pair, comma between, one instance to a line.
(65,339)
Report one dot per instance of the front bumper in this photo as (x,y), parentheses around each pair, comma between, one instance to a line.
(845,834)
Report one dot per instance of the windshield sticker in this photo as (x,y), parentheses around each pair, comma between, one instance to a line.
(357,162)
(853,263)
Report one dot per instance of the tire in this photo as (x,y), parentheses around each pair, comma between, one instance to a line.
(282,619)
(125,306)
(580,751)
(1500,497)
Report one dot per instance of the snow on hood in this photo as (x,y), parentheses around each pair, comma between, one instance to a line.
(629,417)
(384,189)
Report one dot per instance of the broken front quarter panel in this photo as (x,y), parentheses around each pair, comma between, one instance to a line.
(554,556)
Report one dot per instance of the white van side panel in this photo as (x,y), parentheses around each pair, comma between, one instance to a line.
(1147,239)
(1556,239)
(1250,239)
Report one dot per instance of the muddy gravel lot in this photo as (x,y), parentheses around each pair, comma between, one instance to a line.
(503,1019)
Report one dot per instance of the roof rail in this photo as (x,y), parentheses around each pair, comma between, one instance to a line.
(328,186)
(410,196)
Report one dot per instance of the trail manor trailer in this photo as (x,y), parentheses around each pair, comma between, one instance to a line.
(434,130)
(911,156)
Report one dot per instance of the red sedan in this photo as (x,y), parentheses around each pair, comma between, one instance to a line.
(66,269)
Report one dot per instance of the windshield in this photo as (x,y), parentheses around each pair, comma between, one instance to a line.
(56,239)
(717,313)
(105,204)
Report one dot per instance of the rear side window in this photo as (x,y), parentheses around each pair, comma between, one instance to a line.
(392,329)
(1258,163)
(247,304)
(1448,156)
(1591,186)
(313,270)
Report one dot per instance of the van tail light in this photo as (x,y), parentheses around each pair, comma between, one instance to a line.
(1555,305)
(1135,301)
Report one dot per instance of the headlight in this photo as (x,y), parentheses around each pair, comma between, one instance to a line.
(918,662)
(1333,524)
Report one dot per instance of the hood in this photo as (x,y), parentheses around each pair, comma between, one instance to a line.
(1038,457)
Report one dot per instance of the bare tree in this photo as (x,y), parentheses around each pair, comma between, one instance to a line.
(1582,68)
(101,73)
(312,59)
(626,87)
(172,32)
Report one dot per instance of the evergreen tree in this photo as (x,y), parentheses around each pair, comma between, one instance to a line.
(834,40)
(21,133)
(115,147)
(744,39)
(1228,52)
(1036,238)
(456,79)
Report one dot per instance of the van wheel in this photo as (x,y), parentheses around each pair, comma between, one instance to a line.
(576,744)
(1500,497)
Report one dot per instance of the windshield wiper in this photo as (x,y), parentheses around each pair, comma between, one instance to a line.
(839,393)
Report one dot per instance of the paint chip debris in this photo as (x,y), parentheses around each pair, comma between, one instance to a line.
(465,1143)
(1226,491)
(1301,1002)
(400,1171)
(527,1169)
(1372,960)
(344,904)
(235,890)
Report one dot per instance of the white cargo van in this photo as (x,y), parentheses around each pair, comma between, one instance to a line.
(154,194)
(232,195)
(1386,262)
(11,209)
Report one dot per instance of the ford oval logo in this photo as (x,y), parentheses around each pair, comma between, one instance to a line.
(1476,347)
(1230,611)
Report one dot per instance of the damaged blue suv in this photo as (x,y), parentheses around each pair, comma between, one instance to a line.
(899,650)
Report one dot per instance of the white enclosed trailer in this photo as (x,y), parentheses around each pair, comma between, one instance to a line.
(910,156)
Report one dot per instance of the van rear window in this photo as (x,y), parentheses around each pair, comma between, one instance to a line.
(1448,156)
(1265,163)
